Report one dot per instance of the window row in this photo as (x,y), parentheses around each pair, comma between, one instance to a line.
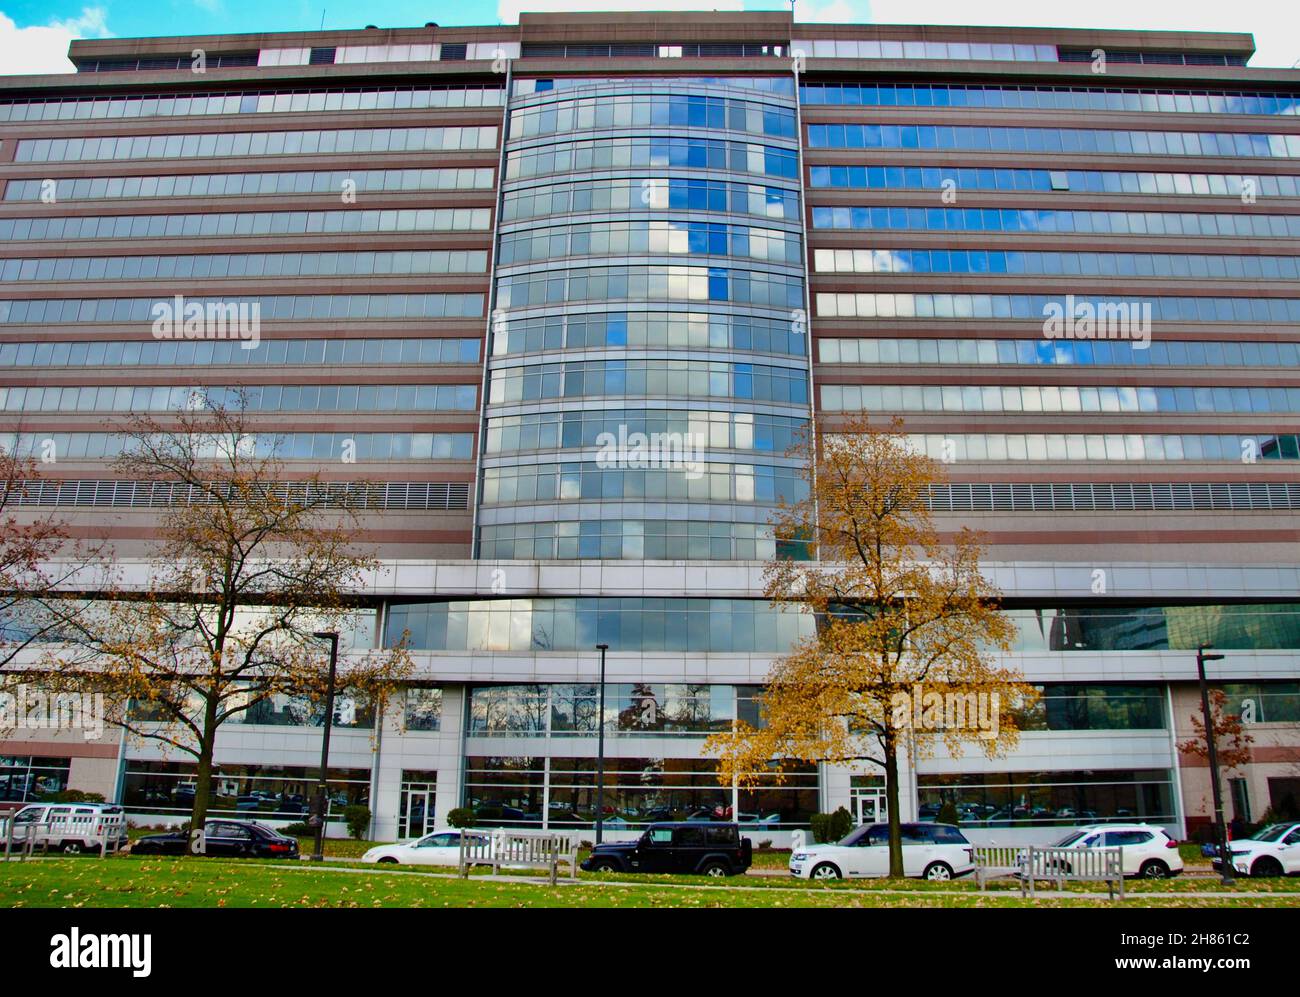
(551,791)
(641,330)
(1157,628)
(32,778)
(1237,448)
(259,102)
(636,709)
(276,792)
(211,225)
(1030,799)
(650,194)
(1079,181)
(1058,352)
(282,308)
(636,238)
(1112,318)
(225,145)
(658,110)
(1047,98)
(65,268)
(1263,702)
(248,184)
(586,155)
(637,540)
(253,398)
(1055,398)
(348,447)
(631,624)
(1053,140)
(1203,266)
(523,86)
(208,352)
(653,282)
(656,378)
(693,480)
(889,48)
(1032,220)
(578,428)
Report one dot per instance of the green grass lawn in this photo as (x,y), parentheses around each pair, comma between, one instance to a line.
(197,882)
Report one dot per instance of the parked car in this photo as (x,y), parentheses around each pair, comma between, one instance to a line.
(438,848)
(1271,851)
(707,849)
(930,851)
(1148,850)
(72,826)
(231,838)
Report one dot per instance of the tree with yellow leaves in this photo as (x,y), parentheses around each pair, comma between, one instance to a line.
(246,568)
(903,655)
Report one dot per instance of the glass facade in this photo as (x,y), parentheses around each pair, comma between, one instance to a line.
(249,792)
(1048,799)
(32,778)
(540,396)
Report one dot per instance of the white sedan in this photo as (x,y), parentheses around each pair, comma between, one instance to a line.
(438,848)
(931,851)
(1270,851)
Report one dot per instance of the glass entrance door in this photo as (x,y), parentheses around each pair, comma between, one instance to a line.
(416,810)
(869,806)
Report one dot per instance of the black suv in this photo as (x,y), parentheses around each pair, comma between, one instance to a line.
(693,847)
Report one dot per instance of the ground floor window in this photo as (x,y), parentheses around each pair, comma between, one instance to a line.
(416,805)
(1028,799)
(24,778)
(561,792)
(262,791)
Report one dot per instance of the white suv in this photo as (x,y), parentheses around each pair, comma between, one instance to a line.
(72,827)
(931,851)
(1270,851)
(1148,850)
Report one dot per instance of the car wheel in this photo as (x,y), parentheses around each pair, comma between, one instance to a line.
(938,871)
(604,865)
(1153,869)
(715,869)
(1266,866)
(388,860)
(72,848)
(825,871)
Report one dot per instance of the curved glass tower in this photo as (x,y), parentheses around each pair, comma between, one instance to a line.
(648,365)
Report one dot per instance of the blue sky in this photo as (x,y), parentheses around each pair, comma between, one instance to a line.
(34,34)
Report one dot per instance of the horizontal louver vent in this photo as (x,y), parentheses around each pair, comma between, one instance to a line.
(412,495)
(1247,496)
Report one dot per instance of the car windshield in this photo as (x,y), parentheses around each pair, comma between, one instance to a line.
(1069,839)
(853,836)
(1271,833)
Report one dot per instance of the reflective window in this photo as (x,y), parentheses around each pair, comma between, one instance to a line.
(362,447)
(1128,319)
(279,352)
(269,308)
(1056,352)
(211,145)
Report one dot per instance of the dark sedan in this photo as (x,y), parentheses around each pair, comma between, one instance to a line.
(231,838)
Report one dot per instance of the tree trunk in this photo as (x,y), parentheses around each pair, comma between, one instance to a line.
(203,775)
(891,801)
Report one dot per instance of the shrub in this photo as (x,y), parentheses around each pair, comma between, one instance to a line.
(358,821)
(831,827)
(461,817)
(298,830)
(76,796)
(948,814)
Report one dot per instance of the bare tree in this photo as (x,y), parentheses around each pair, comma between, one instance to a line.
(246,567)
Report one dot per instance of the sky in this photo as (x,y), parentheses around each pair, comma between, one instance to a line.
(34,34)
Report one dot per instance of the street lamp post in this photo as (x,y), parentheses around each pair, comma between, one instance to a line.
(600,751)
(1220,829)
(322,789)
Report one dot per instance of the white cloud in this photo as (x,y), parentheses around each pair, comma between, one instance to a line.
(44,48)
